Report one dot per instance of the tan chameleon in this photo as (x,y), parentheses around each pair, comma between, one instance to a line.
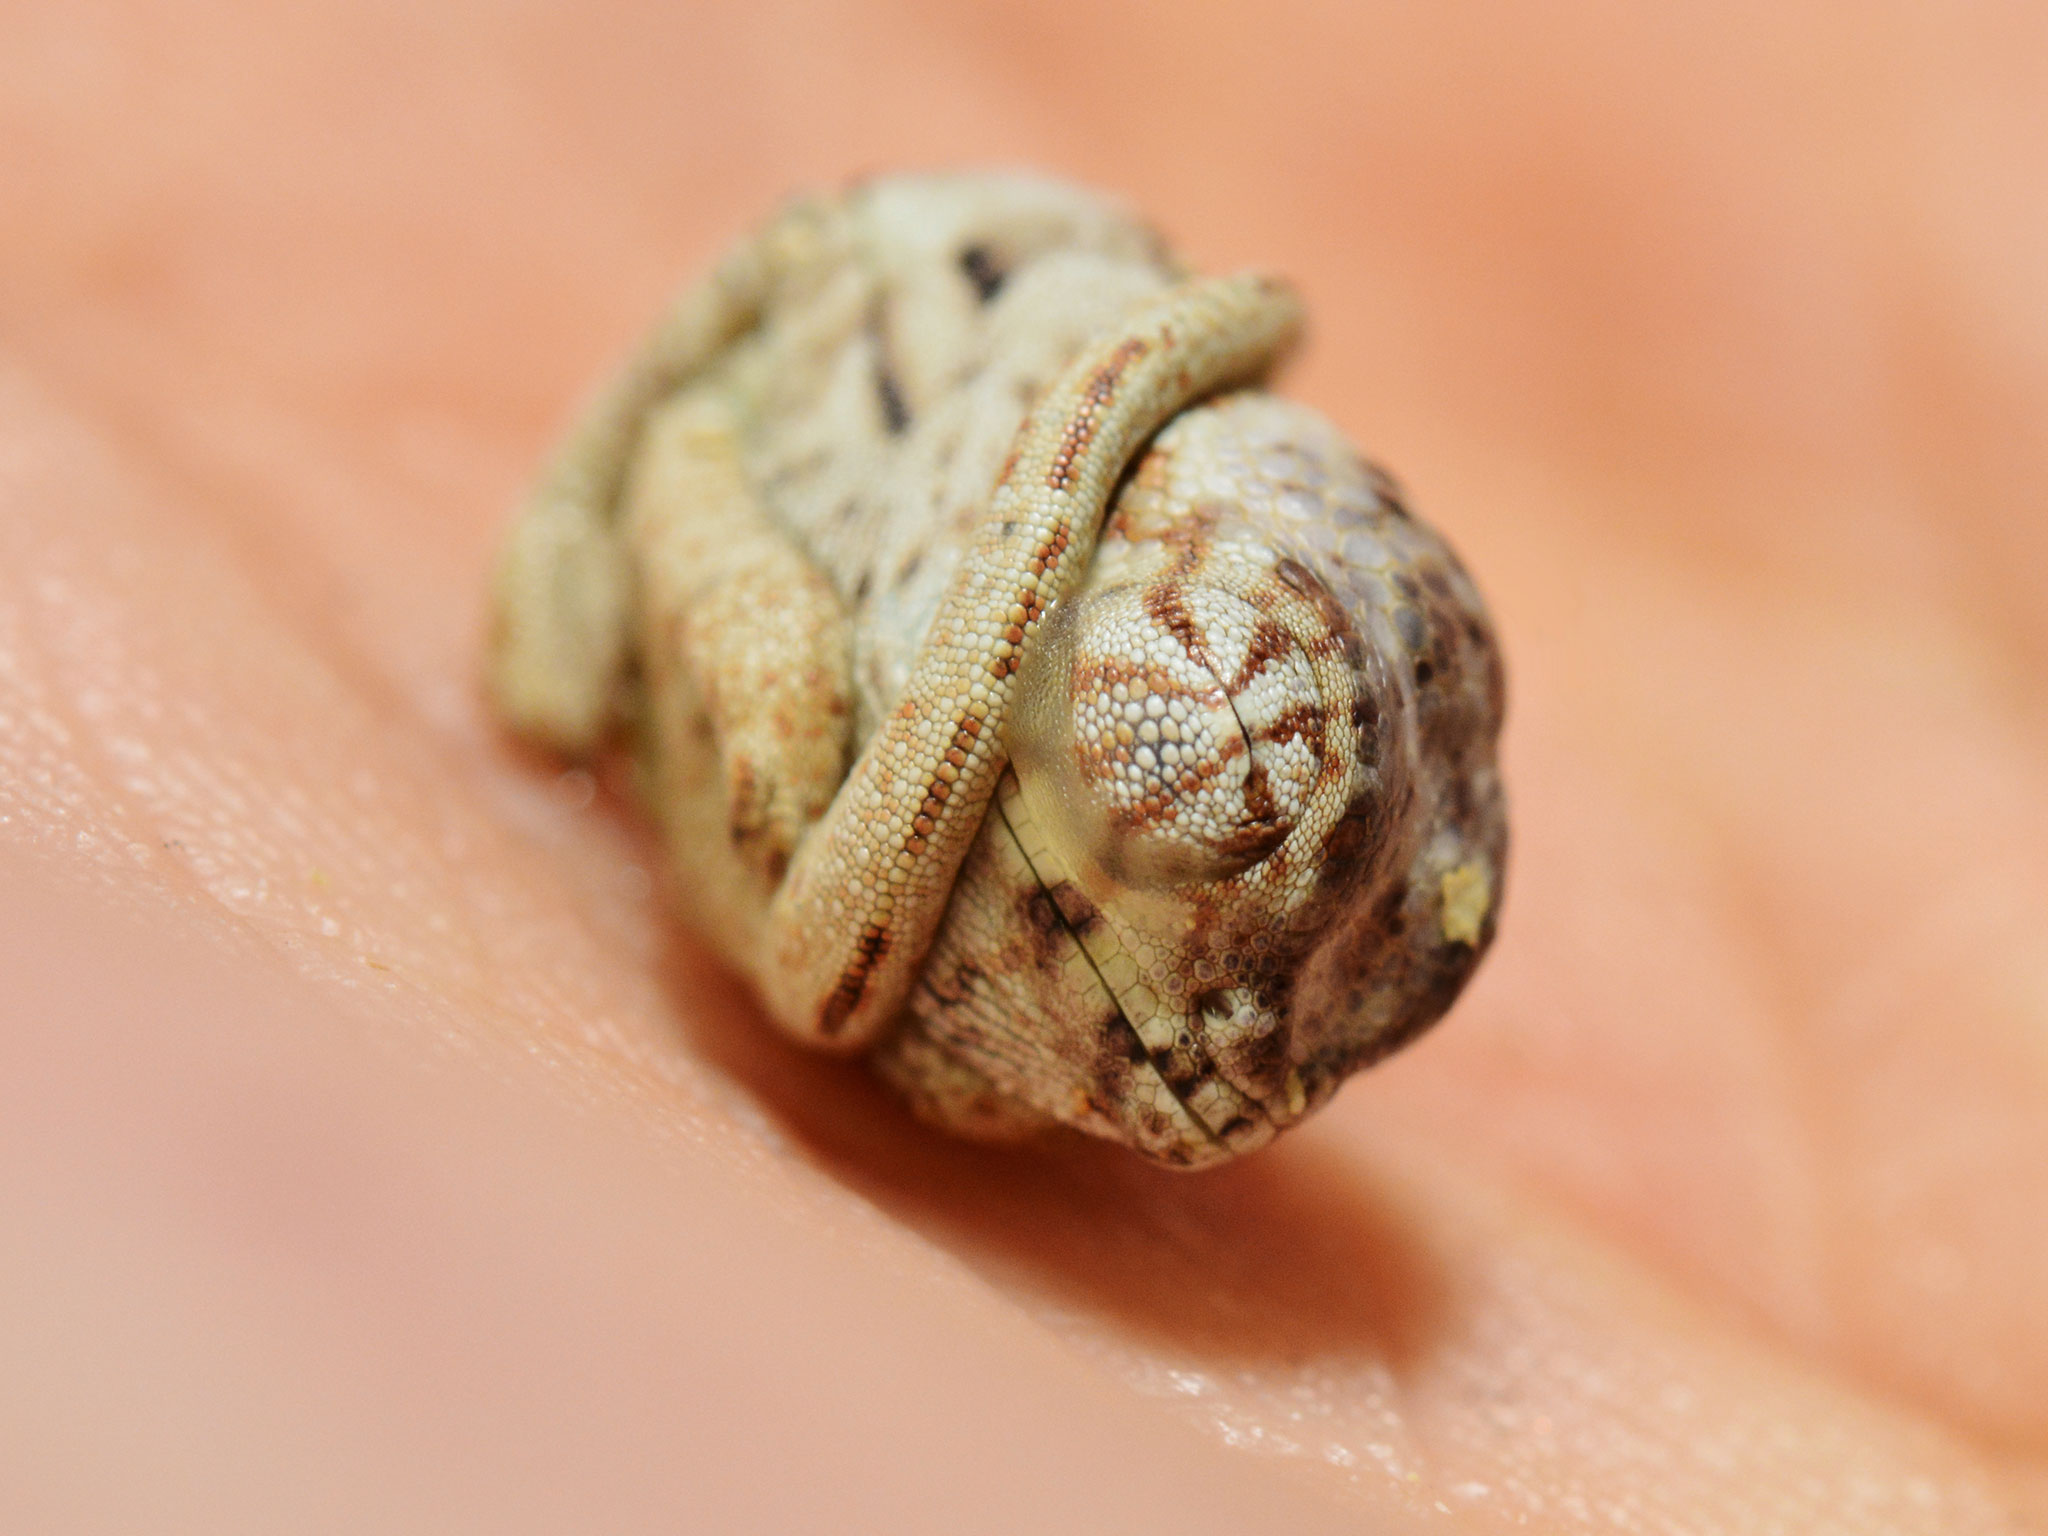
(1028,698)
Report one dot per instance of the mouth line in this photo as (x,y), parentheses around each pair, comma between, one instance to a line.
(1216,1136)
(1209,1070)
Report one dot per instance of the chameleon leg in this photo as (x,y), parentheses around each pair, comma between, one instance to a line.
(562,592)
(868,887)
(746,663)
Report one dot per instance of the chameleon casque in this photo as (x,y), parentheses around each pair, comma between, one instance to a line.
(1029,699)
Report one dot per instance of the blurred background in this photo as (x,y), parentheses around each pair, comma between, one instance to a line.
(1715,336)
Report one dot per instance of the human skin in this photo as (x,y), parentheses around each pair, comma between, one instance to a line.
(375,1155)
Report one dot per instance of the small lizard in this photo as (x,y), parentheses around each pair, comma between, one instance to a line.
(1029,699)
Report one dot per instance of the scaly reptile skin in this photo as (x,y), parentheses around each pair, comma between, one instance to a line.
(1028,698)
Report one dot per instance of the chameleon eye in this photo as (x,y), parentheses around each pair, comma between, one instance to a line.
(1163,733)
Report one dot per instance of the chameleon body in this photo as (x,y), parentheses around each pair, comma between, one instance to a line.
(1029,699)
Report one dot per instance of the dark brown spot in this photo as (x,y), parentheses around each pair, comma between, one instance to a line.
(1051,940)
(1390,916)
(982,269)
(1185,1071)
(1075,909)
(889,396)
(1119,1054)
(894,408)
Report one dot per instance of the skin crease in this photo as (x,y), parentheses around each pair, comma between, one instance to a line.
(375,1156)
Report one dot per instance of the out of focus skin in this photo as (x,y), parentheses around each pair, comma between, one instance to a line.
(373,1153)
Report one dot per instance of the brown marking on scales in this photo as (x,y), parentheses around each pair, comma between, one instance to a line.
(1187,533)
(1153,812)
(1080,914)
(955,986)
(1258,1060)
(1255,840)
(1096,398)
(1185,1067)
(1387,489)
(1107,671)
(1057,918)
(1334,628)
(1044,560)
(1165,606)
(1090,749)
(1297,722)
(743,792)
(1264,821)
(1041,921)
(852,984)
(1119,1053)
(1268,643)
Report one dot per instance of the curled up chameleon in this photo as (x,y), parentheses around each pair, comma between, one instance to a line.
(1028,698)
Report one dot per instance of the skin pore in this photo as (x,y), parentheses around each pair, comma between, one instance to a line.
(376,1155)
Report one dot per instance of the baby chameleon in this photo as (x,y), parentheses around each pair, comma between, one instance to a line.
(1028,698)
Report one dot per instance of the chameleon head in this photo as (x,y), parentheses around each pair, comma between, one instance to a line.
(1185,747)
(1253,792)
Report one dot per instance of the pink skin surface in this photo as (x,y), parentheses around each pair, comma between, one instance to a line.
(375,1156)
